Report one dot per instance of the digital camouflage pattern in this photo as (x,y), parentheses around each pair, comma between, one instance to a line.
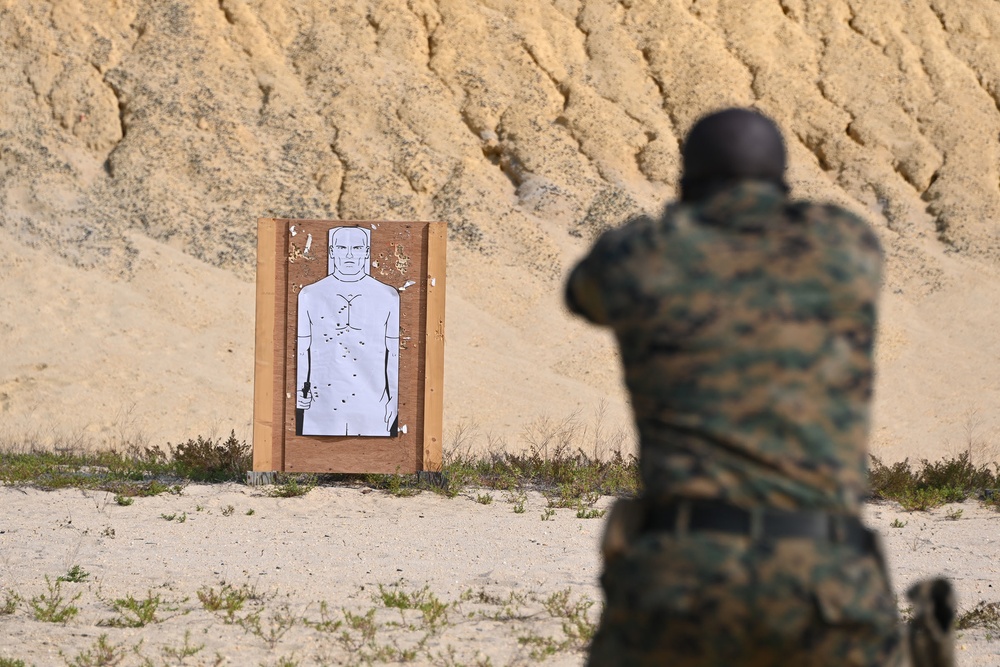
(745,323)
(716,600)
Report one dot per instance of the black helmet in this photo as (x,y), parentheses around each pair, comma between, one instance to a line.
(731,145)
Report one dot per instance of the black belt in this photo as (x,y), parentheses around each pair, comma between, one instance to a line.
(758,523)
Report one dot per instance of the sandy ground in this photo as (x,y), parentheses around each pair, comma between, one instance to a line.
(338,545)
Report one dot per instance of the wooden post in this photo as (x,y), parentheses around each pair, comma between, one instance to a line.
(267,353)
(437,238)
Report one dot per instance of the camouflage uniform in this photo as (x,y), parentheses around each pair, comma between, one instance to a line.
(745,323)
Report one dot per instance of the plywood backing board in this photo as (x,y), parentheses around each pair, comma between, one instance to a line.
(403,254)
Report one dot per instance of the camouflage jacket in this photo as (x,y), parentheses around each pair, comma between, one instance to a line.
(745,324)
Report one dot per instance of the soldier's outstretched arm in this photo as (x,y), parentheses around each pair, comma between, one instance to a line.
(601,287)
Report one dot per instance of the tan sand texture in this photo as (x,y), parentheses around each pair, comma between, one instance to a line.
(139,142)
(337,545)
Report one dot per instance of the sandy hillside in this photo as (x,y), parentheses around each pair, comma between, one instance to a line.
(139,142)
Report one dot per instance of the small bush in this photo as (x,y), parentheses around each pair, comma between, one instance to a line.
(76,575)
(54,607)
(136,613)
(205,460)
(936,483)
(292,486)
(983,615)
(957,474)
(435,612)
(888,482)
(401,486)
(101,654)
(917,499)
(11,600)
(227,600)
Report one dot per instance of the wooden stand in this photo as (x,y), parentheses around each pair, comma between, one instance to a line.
(408,255)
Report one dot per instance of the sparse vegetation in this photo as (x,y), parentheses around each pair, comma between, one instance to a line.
(102,654)
(983,615)
(435,612)
(132,471)
(577,629)
(412,625)
(554,461)
(205,460)
(53,607)
(572,464)
(228,599)
(137,613)
(270,629)
(186,651)
(292,486)
(10,602)
(933,484)
(401,486)
(75,574)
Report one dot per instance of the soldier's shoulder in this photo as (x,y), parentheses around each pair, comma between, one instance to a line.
(641,231)
(812,211)
(830,220)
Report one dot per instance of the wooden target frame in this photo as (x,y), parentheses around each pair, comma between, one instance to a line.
(410,256)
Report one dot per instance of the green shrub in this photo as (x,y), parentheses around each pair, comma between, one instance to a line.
(958,474)
(983,615)
(205,460)
(936,483)
(889,482)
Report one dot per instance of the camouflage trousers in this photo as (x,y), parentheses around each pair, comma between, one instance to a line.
(717,600)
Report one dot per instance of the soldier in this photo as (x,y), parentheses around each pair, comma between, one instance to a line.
(745,323)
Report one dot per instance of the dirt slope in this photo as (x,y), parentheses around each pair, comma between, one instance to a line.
(139,142)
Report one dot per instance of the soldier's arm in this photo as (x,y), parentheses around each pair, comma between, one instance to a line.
(601,288)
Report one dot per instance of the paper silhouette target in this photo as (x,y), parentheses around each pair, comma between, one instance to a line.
(349,346)
(347,371)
